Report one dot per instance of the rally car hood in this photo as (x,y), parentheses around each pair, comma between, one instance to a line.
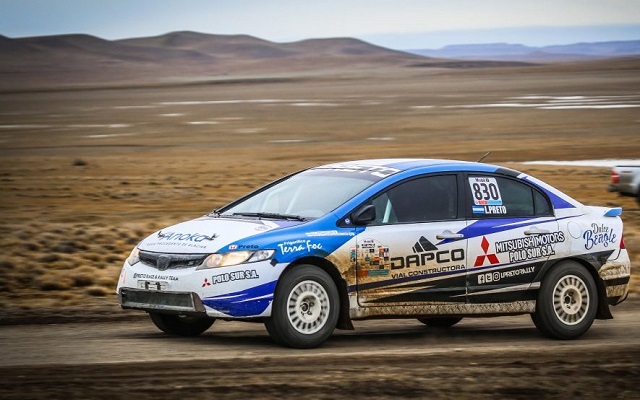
(206,234)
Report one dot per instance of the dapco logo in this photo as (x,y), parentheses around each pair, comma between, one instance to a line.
(427,253)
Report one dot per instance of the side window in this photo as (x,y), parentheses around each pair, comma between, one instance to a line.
(495,196)
(541,203)
(430,198)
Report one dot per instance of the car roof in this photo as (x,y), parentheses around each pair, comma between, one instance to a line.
(395,168)
(406,164)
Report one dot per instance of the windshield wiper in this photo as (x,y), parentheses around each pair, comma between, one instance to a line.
(271,215)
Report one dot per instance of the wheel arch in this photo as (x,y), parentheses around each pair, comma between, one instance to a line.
(344,321)
(603,311)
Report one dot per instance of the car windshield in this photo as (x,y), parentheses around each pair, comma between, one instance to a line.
(307,195)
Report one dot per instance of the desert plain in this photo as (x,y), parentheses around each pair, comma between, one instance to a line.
(87,172)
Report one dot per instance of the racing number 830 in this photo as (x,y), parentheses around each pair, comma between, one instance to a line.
(485,191)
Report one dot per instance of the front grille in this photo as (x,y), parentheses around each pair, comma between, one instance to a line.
(163,261)
(153,300)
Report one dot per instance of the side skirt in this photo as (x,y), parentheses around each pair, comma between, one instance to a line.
(465,309)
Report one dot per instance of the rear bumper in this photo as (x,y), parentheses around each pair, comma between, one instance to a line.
(616,276)
(624,190)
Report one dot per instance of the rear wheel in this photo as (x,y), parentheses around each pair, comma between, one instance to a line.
(305,308)
(567,302)
(181,325)
(440,322)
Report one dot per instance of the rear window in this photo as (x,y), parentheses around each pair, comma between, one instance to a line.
(497,196)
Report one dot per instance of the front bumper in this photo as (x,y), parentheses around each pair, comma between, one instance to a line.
(149,300)
(241,291)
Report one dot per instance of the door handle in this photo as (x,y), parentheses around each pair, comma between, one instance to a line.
(535,231)
(449,235)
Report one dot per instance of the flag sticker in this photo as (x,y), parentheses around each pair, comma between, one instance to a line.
(478,210)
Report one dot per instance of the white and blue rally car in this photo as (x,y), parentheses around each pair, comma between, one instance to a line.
(435,240)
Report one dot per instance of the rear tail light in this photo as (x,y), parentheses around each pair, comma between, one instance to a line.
(622,243)
(615,177)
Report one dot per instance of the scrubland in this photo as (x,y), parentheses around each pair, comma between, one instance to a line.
(86,174)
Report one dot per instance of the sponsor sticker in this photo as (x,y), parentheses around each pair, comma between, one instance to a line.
(329,233)
(299,245)
(490,210)
(426,253)
(378,272)
(485,192)
(155,277)
(372,258)
(153,285)
(491,258)
(429,271)
(493,277)
(530,247)
(180,237)
(375,170)
(234,276)
(598,235)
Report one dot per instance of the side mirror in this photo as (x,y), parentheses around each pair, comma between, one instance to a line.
(364,215)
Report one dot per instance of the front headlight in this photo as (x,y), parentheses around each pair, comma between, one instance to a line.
(235,257)
(134,257)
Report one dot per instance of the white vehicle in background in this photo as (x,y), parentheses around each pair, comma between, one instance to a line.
(625,179)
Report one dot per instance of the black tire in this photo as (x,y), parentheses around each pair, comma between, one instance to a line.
(181,325)
(305,308)
(567,301)
(440,322)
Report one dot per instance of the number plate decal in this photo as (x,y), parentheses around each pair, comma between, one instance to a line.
(485,191)
(153,285)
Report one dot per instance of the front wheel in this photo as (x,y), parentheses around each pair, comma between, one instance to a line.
(305,308)
(567,302)
(181,325)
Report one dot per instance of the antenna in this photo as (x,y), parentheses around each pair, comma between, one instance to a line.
(484,156)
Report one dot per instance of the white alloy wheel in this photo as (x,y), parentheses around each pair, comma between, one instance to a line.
(570,299)
(308,307)
(567,301)
(305,308)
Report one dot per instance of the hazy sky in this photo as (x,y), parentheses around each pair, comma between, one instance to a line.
(393,23)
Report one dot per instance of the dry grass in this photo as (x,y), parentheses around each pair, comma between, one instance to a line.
(86,174)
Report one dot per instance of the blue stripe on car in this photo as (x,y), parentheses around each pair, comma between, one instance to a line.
(245,303)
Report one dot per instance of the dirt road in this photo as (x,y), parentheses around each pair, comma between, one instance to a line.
(86,174)
(481,358)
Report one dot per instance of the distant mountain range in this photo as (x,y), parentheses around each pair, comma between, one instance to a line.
(518,52)
(80,60)
(83,61)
